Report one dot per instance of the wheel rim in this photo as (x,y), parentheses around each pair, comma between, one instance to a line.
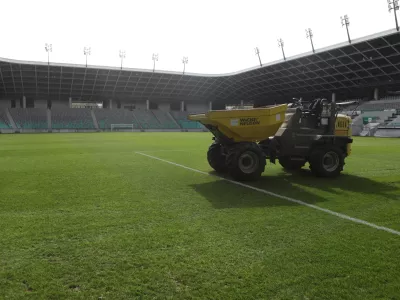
(248,162)
(330,161)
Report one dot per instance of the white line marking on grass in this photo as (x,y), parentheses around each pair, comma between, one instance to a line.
(162,151)
(339,215)
(187,150)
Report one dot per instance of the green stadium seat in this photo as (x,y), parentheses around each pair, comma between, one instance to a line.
(71,118)
(4,123)
(29,118)
(146,119)
(181,118)
(165,119)
(107,117)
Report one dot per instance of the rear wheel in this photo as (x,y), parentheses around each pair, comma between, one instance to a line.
(245,161)
(292,165)
(327,162)
(216,158)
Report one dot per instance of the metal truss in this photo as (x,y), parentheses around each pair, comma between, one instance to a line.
(373,62)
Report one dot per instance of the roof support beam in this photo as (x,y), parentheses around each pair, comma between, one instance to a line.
(129,79)
(105,84)
(169,95)
(2,80)
(151,77)
(83,84)
(116,83)
(59,89)
(72,82)
(152,92)
(36,81)
(12,75)
(137,82)
(184,86)
(194,88)
(94,84)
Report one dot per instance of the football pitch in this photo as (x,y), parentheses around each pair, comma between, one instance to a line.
(142,216)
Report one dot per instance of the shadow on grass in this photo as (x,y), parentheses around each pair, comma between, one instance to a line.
(301,185)
(223,194)
(344,183)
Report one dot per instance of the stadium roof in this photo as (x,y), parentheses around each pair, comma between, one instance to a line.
(367,62)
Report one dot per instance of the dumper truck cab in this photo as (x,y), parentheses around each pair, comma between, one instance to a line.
(245,139)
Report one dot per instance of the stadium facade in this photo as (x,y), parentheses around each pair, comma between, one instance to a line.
(368,68)
(349,70)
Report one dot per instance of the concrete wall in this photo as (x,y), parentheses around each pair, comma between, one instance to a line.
(141,105)
(138,105)
(197,107)
(63,103)
(41,104)
(123,103)
(60,103)
(164,106)
(5,103)
(387,133)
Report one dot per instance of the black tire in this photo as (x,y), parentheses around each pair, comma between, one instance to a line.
(291,165)
(327,161)
(216,158)
(245,162)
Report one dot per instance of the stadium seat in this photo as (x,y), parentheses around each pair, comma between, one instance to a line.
(106,117)
(165,120)
(383,104)
(4,124)
(29,118)
(71,118)
(377,116)
(181,118)
(394,122)
(147,119)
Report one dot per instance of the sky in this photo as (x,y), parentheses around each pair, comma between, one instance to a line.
(217,36)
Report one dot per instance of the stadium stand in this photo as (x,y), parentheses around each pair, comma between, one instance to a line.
(391,127)
(380,116)
(29,118)
(391,98)
(353,106)
(369,129)
(357,125)
(394,122)
(4,123)
(166,121)
(373,118)
(146,119)
(71,118)
(387,132)
(181,118)
(105,118)
(380,105)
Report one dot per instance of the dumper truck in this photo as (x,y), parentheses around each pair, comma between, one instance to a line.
(293,135)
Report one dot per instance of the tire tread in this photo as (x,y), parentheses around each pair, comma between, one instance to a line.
(233,158)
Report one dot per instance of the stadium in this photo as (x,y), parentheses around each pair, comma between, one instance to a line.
(106,191)
(50,97)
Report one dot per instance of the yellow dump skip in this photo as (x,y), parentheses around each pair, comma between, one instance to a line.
(245,124)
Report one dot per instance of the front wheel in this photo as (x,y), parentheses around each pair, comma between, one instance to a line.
(245,162)
(327,162)
(216,158)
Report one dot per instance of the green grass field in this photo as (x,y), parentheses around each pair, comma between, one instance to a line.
(83,216)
